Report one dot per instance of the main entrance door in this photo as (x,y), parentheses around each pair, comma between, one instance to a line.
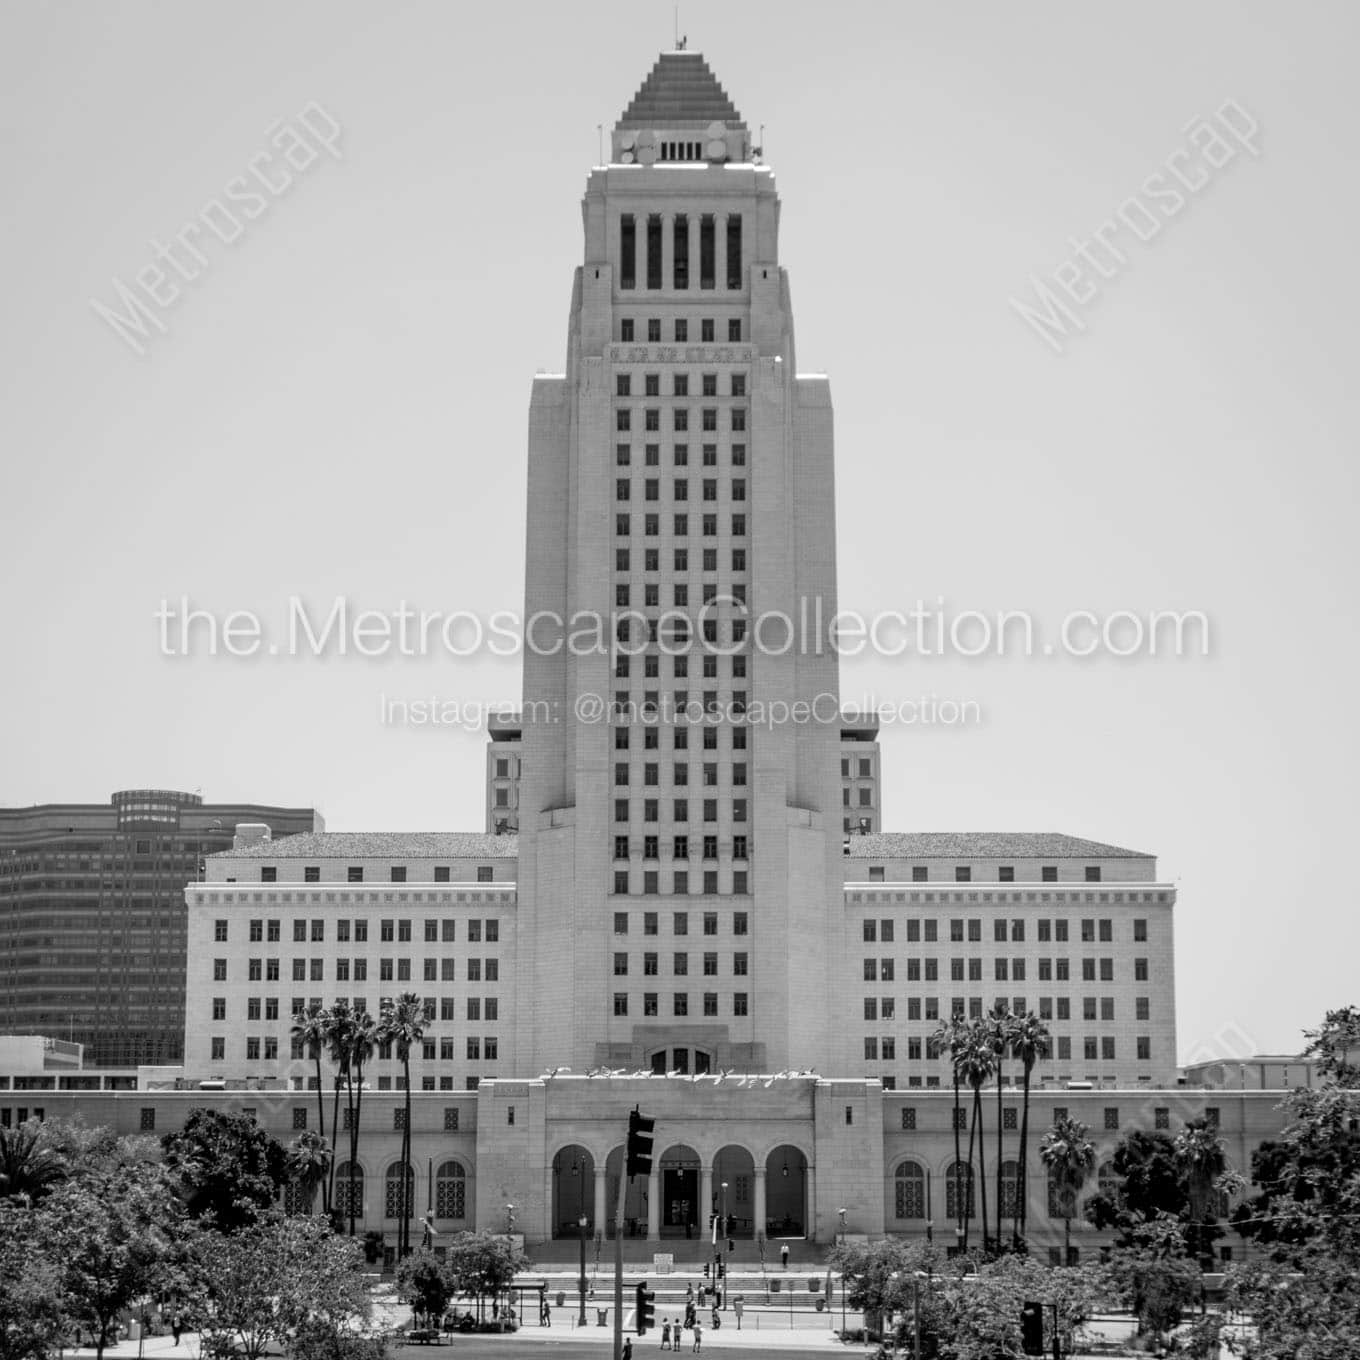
(680,1199)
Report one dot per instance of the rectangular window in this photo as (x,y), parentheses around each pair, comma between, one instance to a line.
(654,251)
(708,256)
(627,259)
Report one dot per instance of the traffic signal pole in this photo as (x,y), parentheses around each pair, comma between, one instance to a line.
(624,1181)
(637,1162)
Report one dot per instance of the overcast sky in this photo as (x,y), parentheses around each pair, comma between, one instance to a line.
(337,406)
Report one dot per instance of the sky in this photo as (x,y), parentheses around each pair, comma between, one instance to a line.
(332,405)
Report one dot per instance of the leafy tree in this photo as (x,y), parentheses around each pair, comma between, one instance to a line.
(1029,1043)
(484,1264)
(403,1025)
(1335,1044)
(1200,1156)
(112,1231)
(311,1028)
(1155,1275)
(878,1275)
(276,1278)
(31,1315)
(31,1163)
(1069,1156)
(226,1166)
(424,1283)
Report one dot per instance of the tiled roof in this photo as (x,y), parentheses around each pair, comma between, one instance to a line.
(984,845)
(680,89)
(381,845)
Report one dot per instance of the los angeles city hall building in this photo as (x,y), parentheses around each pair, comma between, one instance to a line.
(687,911)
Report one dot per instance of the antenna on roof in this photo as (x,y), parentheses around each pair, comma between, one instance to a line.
(599,131)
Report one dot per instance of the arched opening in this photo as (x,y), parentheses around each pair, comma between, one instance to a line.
(786,1186)
(395,1205)
(1010,1190)
(349,1190)
(956,1179)
(909,1191)
(679,1187)
(681,1061)
(635,1198)
(735,1167)
(450,1191)
(573,1192)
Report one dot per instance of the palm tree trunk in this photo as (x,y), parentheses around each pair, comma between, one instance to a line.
(968,1188)
(335,1138)
(1000,1151)
(981,1123)
(1022,1183)
(1067,1241)
(321,1128)
(353,1140)
(408,1189)
(958,1206)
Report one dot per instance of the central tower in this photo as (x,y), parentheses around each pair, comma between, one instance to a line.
(680,878)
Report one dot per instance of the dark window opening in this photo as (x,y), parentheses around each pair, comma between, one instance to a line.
(707,251)
(654,250)
(734,251)
(627,255)
(681,253)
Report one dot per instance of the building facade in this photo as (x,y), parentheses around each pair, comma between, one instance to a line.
(92,920)
(700,913)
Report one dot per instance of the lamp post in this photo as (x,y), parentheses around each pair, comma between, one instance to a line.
(581,1283)
(917,1277)
(509,1219)
(722,1293)
(841,1239)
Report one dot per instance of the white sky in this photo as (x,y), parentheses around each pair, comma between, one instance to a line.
(339,406)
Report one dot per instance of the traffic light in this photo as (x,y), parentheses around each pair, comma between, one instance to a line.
(705,1270)
(646,1309)
(722,1270)
(731,1245)
(640,1144)
(1032,1328)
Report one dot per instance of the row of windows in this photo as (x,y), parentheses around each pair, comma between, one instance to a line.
(680,847)
(651,736)
(651,524)
(928,1007)
(680,965)
(389,970)
(267,1008)
(1004,970)
(1092,931)
(963,873)
(680,330)
(651,382)
(393,930)
(1095,1048)
(708,420)
(651,811)
(266,1048)
(886,1007)
(651,559)
(354,873)
(651,923)
(679,878)
(680,1003)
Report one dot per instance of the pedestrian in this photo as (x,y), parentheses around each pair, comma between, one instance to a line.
(698,1334)
(176,1326)
(784,1255)
(545,1313)
(666,1334)
(627,1348)
(717,1319)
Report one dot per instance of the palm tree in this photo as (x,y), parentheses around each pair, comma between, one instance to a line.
(1029,1043)
(363,1038)
(978,1066)
(29,1166)
(949,1036)
(311,1029)
(996,1031)
(403,1024)
(1200,1154)
(309,1161)
(339,1025)
(1069,1156)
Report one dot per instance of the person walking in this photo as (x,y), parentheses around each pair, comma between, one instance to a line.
(784,1256)
(698,1334)
(666,1335)
(627,1348)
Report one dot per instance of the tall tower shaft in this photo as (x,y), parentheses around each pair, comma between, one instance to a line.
(680,881)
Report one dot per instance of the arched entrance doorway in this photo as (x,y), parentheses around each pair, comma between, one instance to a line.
(786,1186)
(573,1191)
(679,1188)
(736,1167)
(635,1198)
(682,1060)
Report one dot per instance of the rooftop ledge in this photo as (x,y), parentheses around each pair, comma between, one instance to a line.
(454,885)
(1020,885)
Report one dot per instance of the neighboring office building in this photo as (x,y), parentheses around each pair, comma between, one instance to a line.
(861,785)
(504,740)
(92,915)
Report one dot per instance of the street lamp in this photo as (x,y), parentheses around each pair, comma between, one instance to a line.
(509,1219)
(841,1235)
(581,1283)
(722,1293)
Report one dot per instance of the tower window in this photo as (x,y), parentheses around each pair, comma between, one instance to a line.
(707,251)
(654,250)
(734,251)
(627,258)
(681,241)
